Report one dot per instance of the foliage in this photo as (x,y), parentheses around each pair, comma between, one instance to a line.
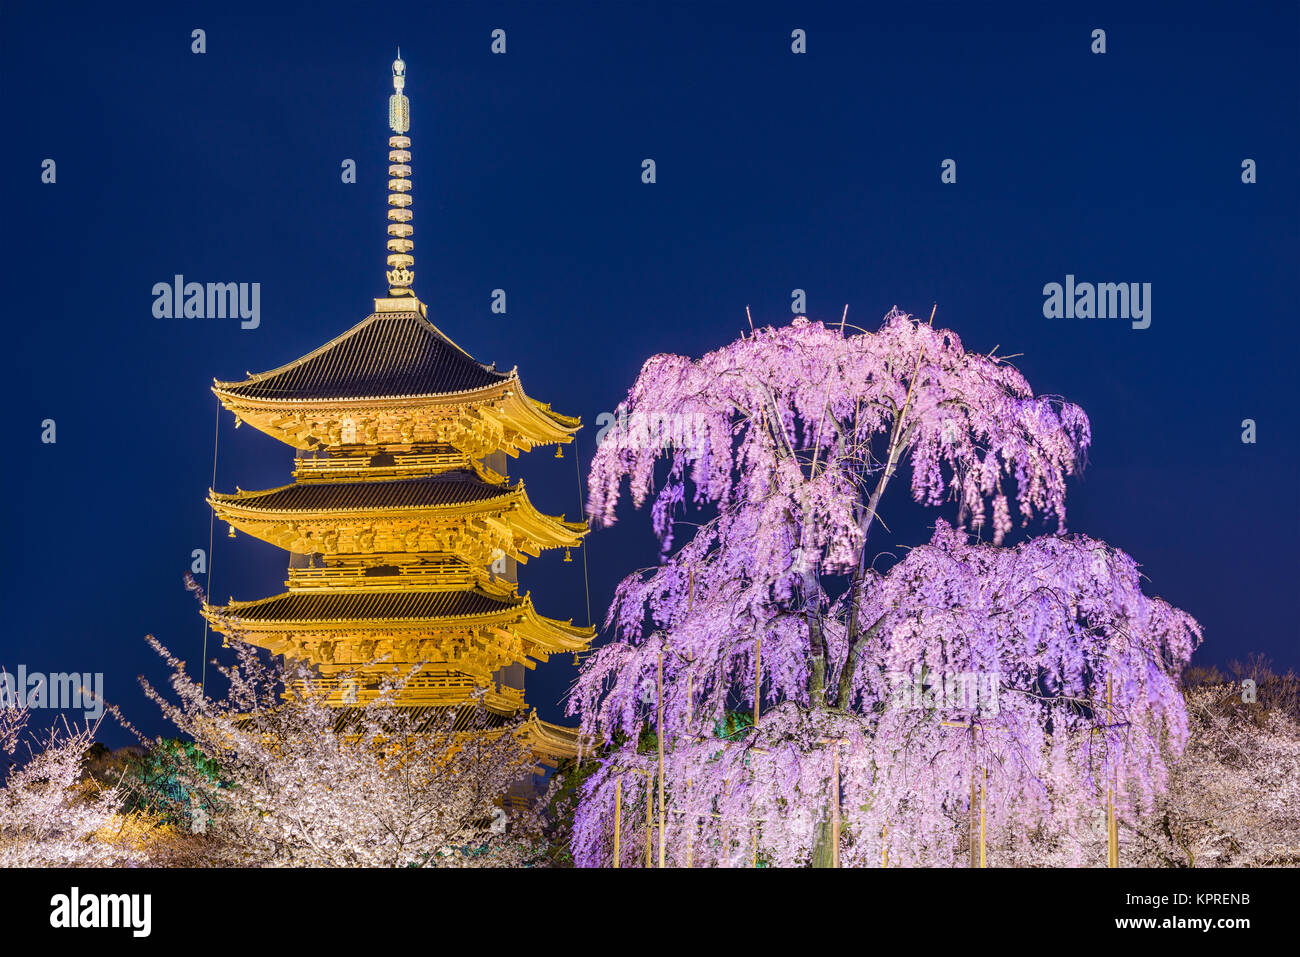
(51,814)
(799,431)
(302,784)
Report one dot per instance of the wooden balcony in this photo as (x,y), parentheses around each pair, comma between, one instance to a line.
(401,575)
(426,689)
(376,464)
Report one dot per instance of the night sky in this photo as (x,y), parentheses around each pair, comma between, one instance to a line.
(775,171)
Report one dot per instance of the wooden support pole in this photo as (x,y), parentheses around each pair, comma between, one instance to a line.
(660,736)
(1112,831)
(1112,824)
(690,833)
(690,723)
(978,846)
(618,815)
(984,780)
(649,818)
(758,677)
(835,807)
(972,826)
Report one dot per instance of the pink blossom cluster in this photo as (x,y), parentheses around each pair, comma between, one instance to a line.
(774,603)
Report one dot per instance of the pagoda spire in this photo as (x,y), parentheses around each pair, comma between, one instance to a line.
(405,533)
(400,276)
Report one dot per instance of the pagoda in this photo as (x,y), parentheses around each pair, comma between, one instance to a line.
(403,528)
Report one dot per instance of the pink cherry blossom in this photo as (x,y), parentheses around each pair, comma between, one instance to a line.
(774,600)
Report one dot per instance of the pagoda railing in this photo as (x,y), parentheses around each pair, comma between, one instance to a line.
(341,468)
(449,576)
(424,688)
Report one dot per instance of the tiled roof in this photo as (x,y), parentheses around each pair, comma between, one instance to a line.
(447,488)
(389,354)
(468,717)
(370,606)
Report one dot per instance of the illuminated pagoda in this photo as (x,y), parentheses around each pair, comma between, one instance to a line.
(404,531)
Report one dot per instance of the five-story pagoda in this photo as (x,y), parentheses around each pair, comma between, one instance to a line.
(403,529)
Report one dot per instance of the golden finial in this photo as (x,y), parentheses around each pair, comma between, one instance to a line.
(399,108)
(400,260)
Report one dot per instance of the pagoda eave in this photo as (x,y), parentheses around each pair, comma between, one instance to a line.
(539,634)
(499,416)
(486,394)
(553,741)
(518,527)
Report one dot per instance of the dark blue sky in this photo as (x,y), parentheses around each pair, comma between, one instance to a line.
(775,172)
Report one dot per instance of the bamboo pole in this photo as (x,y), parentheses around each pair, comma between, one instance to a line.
(971,829)
(660,736)
(984,780)
(618,815)
(977,856)
(758,678)
(1112,838)
(690,834)
(1112,824)
(884,846)
(835,808)
(690,722)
